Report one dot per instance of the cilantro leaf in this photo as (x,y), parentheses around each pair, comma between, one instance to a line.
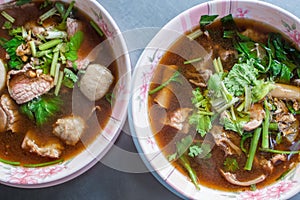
(231,164)
(201,116)
(41,109)
(10,46)
(194,151)
(74,45)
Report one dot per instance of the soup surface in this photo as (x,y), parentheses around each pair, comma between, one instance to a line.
(73,104)
(195,126)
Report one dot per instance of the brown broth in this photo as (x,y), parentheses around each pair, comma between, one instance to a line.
(208,170)
(10,143)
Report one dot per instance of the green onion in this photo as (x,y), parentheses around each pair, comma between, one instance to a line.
(43,164)
(33,48)
(46,15)
(54,63)
(55,35)
(265,127)
(252,150)
(10,162)
(60,8)
(247,98)
(195,34)
(218,65)
(57,68)
(50,44)
(8,17)
(68,11)
(278,151)
(96,27)
(193,61)
(59,82)
(43,53)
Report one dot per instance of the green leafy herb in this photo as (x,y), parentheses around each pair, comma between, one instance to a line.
(10,46)
(231,164)
(74,45)
(41,109)
(232,124)
(181,148)
(70,78)
(261,89)
(202,151)
(7,25)
(22,2)
(201,117)
(207,19)
(240,75)
(173,78)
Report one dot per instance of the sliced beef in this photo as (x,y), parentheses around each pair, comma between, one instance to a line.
(96,82)
(25,85)
(73,25)
(52,147)
(69,129)
(10,117)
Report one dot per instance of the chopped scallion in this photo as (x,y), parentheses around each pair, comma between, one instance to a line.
(33,48)
(193,61)
(68,11)
(43,164)
(58,86)
(8,17)
(50,44)
(47,15)
(10,162)
(54,63)
(195,34)
(97,28)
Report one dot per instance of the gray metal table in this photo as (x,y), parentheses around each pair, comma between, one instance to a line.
(102,182)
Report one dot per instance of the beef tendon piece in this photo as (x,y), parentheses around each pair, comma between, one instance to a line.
(51,147)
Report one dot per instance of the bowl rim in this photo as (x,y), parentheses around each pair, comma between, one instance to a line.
(109,142)
(131,115)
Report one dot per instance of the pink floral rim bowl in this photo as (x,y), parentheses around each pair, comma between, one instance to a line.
(17,176)
(144,139)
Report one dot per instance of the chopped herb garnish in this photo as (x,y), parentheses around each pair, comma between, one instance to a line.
(231,165)
(207,19)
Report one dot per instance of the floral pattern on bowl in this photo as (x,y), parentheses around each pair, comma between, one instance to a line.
(144,139)
(24,177)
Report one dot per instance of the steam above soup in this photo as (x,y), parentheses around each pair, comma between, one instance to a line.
(230,91)
(45,74)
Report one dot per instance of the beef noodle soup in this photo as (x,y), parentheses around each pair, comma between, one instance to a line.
(224,104)
(44,72)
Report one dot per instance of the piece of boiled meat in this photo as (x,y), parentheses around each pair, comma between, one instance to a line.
(24,85)
(96,81)
(2,75)
(10,117)
(69,129)
(73,25)
(52,147)
(179,119)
